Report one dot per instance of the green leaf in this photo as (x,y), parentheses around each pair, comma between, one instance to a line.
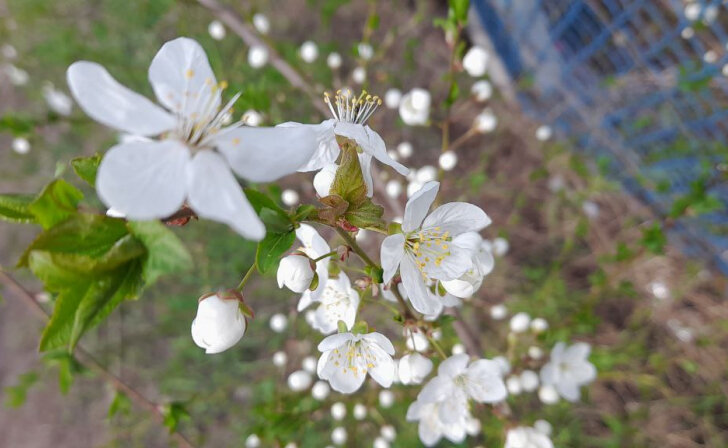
(120,405)
(56,203)
(15,395)
(86,168)
(272,248)
(165,252)
(15,208)
(16,125)
(654,239)
(173,414)
(460,10)
(367,214)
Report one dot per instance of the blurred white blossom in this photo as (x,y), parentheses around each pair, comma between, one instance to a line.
(414,107)
(475,61)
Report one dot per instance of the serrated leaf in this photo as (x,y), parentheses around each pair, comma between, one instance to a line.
(367,214)
(56,203)
(15,208)
(86,168)
(271,249)
(166,254)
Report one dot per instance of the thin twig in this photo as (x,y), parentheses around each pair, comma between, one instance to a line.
(87,360)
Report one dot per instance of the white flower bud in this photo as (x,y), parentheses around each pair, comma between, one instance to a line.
(405,149)
(548,394)
(414,108)
(257,56)
(252,118)
(253,441)
(535,352)
(543,133)
(416,341)
(392,98)
(500,246)
(261,23)
(338,436)
(485,122)
(359,412)
(294,271)
(426,174)
(388,432)
(482,90)
(291,445)
(334,60)
(338,411)
(278,322)
(365,51)
(323,179)
(290,197)
(280,359)
(18,76)
(519,323)
(458,349)
(590,209)
(320,390)
(309,51)
(57,101)
(380,442)
(309,364)
(413,368)
(386,399)
(393,188)
(539,325)
(216,30)
(448,160)
(21,145)
(529,380)
(498,312)
(475,61)
(359,75)
(473,426)
(543,427)
(219,324)
(299,380)
(513,384)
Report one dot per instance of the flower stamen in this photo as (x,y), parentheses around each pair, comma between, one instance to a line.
(351,108)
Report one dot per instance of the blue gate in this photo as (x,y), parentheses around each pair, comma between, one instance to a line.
(639,85)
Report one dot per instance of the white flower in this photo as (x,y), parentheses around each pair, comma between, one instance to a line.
(482,90)
(299,380)
(414,368)
(539,325)
(365,51)
(458,380)
(388,432)
(482,264)
(513,384)
(500,246)
(309,51)
(347,358)
(498,312)
(590,209)
(314,246)
(535,352)
(414,107)
(520,322)
(334,60)
(427,249)
(338,436)
(257,56)
(261,23)
(359,75)
(252,118)
(448,160)
(18,76)
(427,173)
(278,322)
(568,369)
(309,364)
(290,197)
(393,188)
(475,61)
(405,149)
(21,145)
(295,273)
(216,30)
(252,441)
(219,324)
(350,114)
(58,101)
(548,394)
(380,442)
(543,427)
(386,399)
(392,97)
(8,51)
(320,391)
(485,122)
(338,411)
(529,380)
(431,428)
(280,359)
(359,412)
(543,133)
(338,302)
(527,437)
(192,160)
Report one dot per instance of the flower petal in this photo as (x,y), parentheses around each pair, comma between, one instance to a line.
(391,255)
(380,340)
(365,163)
(144,180)
(383,370)
(327,150)
(266,154)
(370,142)
(334,341)
(417,291)
(215,194)
(454,365)
(183,80)
(110,103)
(418,205)
(457,218)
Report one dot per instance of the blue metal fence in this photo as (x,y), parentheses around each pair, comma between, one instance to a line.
(640,84)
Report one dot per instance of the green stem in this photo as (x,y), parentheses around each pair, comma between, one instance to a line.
(351,242)
(439,349)
(330,254)
(246,278)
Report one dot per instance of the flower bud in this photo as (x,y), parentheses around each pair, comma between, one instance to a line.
(295,272)
(413,368)
(219,323)
(323,179)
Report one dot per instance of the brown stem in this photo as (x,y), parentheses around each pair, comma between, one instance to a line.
(87,360)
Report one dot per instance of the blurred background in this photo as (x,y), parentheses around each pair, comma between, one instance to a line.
(597,144)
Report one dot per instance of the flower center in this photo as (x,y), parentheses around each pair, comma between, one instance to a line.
(355,358)
(348,107)
(428,246)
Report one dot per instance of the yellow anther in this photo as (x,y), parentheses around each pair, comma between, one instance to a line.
(189,73)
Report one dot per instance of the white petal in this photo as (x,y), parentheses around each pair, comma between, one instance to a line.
(370,142)
(569,391)
(334,341)
(437,389)
(266,154)
(365,163)
(327,150)
(110,103)
(144,180)
(454,365)
(391,255)
(314,244)
(417,291)
(457,218)
(305,300)
(215,194)
(578,351)
(418,205)
(183,80)
(382,341)
(383,370)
